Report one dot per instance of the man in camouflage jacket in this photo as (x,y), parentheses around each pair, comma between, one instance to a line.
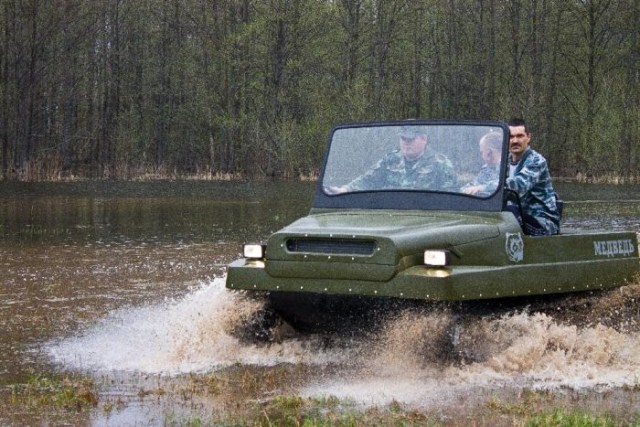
(489,176)
(529,177)
(413,166)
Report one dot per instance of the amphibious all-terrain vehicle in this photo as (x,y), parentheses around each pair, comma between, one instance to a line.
(420,240)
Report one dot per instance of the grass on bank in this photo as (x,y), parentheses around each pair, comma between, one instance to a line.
(65,392)
(63,396)
(561,418)
(295,411)
(52,170)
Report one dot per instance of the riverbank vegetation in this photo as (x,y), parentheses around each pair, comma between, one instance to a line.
(249,89)
(213,400)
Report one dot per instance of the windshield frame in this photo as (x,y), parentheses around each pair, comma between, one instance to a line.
(407,199)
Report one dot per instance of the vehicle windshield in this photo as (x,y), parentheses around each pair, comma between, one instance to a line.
(448,158)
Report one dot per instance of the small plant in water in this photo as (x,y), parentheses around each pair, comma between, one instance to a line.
(526,404)
(65,392)
(569,419)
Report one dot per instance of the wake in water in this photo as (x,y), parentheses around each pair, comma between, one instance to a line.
(193,334)
(581,341)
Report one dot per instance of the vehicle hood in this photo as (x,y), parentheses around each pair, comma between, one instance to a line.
(391,235)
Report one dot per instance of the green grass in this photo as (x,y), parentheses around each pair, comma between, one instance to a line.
(239,399)
(296,411)
(561,418)
(66,392)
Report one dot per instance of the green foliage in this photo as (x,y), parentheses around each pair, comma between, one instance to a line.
(67,392)
(295,411)
(561,418)
(251,89)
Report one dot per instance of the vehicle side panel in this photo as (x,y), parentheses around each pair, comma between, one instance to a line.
(585,266)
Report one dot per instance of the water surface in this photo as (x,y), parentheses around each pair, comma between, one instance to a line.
(127,280)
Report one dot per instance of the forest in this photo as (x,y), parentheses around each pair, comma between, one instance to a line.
(249,89)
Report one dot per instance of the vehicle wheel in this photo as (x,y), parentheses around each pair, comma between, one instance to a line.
(257,328)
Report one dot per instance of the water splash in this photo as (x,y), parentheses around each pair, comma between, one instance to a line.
(187,335)
(419,358)
(430,359)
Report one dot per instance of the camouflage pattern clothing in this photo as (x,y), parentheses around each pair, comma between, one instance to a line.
(489,176)
(530,178)
(431,171)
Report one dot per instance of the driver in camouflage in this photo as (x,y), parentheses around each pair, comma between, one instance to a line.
(413,166)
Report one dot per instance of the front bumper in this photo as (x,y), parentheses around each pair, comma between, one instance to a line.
(453,283)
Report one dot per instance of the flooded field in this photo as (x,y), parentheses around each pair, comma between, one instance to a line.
(113,312)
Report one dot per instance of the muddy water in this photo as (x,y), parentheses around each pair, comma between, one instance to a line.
(125,282)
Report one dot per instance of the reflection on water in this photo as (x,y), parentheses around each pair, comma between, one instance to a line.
(600,207)
(147,212)
(72,252)
(129,277)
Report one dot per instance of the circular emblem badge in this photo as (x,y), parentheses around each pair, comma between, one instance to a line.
(514,247)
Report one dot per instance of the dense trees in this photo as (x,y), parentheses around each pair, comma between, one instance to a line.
(119,88)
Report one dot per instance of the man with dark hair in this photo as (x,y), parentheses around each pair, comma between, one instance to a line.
(529,177)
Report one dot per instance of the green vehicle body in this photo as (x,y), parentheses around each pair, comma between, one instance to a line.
(480,266)
(371,244)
